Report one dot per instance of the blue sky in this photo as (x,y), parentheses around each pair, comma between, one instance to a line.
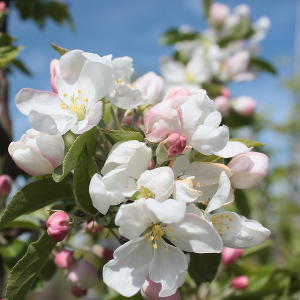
(133,27)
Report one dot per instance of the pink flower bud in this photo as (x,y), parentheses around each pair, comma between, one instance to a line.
(218,13)
(58,225)
(151,165)
(226,92)
(3,7)
(83,275)
(240,282)
(249,169)
(78,292)
(151,289)
(244,106)
(37,153)
(177,93)
(230,255)
(64,259)
(93,227)
(222,104)
(175,144)
(5,185)
(54,71)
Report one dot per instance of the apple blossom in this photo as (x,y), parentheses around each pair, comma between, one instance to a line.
(84,79)
(147,223)
(244,106)
(37,153)
(248,169)
(230,256)
(240,282)
(5,185)
(218,13)
(64,259)
(58,225)
(54,73)
(175,144)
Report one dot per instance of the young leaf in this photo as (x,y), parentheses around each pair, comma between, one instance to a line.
(122,135)
(35,196)
(173,36)
(248,143)
(242,204)
(87,139)
(83,173)
(26,271)
(59,49)
(206,4)
(262,65)
(203,267)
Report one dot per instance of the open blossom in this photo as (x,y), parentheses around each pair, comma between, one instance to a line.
(37,153)
(84,79)
(196,118)
(248,169)
(147,223)
(218,13)
(119,174)
(128,95)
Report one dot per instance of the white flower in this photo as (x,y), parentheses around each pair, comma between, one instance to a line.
(85,78)
(37,153)
(120,171)
(148,223)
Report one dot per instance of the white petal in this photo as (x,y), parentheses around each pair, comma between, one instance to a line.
(180,164)
(159,181)
(231,149)
(195,234)
(222,195)
(169,267)
(239,232)
(127,272)
(172,70)
(133,219)
(168,211)
(122,68)
(185,191)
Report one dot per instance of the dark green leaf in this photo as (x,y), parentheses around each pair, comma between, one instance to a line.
(122,135)
(83,173)
(48,270)
(242,203)
(27,270)
(59,49)
(248,143)
(26,222)
(35,196)
(262,65)
(8,53)
(18,64)
(6,39)
(173,36)
(203,267)
(87,139)
(206,7)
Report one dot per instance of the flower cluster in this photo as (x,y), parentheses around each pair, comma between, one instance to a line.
(165,191)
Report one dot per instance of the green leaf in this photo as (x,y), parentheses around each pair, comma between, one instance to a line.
(262,65)
(173,36)
(248,143)
(242,204)
(35,196)
(26,222)
(18,64)
(8,53)
(206,4)
(6,39)
(59,49)
(83,173)
(27,270)
(203,267)
(122,135)
(197,156)
(87,139)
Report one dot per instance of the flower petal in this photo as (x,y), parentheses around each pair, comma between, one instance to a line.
(169,267)
(231,149)
(185,191)
(127,272)
(195,234)
(237,231)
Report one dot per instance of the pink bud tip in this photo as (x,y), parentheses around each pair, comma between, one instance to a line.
(175,144)
(222,104)
(151,165)
(58,225)
(244,106)
(230,255)
(5,185)
(177,93)
(151,289)
(64,259)
(93,227)
(78,292)
(226,92)
(240,282)
(3,7)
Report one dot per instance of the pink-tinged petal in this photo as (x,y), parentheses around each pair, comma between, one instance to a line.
(54,72)
(244,106)
(177,93)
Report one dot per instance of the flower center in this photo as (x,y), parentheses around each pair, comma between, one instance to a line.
(157,232)
(221,222)
(188,77)
(145,192)
(76,104)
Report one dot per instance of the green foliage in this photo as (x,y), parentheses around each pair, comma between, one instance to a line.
(206,7)
(59,49)
(40,10)
(83,174)
(35,196)
(248,143)
(27,270)
(242,204)
(85,140)
(204,267)
(262,65)
(173,36)
(122,135)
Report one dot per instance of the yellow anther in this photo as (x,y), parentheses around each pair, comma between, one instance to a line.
(154,246)
(119,81)
(189,77)
(145,192)
(85,100)
(79,91)
(65,95)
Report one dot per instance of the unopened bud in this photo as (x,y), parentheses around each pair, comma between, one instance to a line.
(5,185)
(93,227)
(58,225)
(231,255)
(64,259)
(175,144)
(240,282)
